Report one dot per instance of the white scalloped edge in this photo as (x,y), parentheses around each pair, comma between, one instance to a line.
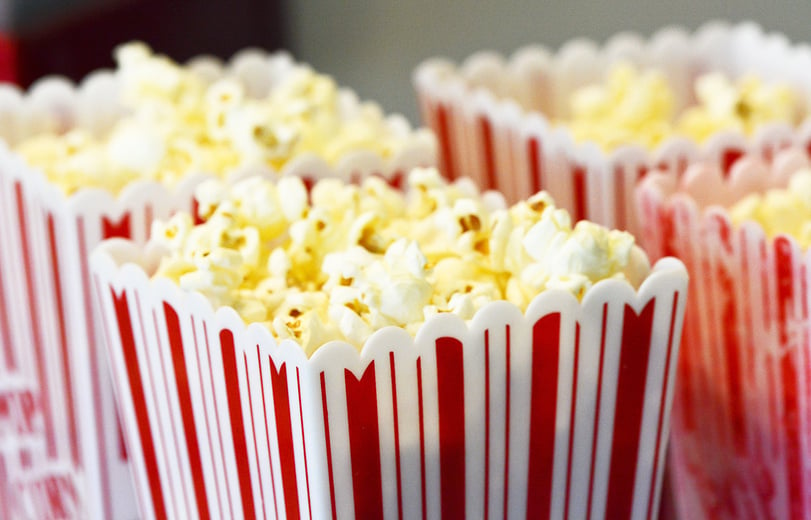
(488,87)
(124,265)
(55,103)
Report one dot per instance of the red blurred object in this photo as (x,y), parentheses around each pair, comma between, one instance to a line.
(81,41)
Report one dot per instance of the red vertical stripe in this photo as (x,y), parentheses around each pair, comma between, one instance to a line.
(5,328)
(488,149)
(542,423)
(122,442)
(728,159)
(633,370)
(396,435)
(328,446)
(732,350)
(63,342)
(364,443)
(113,229)
(790,422)
(662,403)
(535,166)
(446,159)
(421,418)
(229,364)
(579,185)
(139,403)
(284,434)
(572,416)
(33,310)
(186,411)
(451,404)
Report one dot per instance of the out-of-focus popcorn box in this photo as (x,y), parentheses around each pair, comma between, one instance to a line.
(741,422)
(503,121)
(48,328)
(32,485)
(562,411)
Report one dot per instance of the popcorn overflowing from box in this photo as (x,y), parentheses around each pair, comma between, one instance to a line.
(586,122)
(512,408)
(740,417)
(103,159)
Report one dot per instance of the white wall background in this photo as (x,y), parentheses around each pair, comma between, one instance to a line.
(373,45)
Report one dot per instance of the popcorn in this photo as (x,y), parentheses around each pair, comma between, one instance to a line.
(177,122)
(742,106)
(338,266)
(634,107)
(780,211)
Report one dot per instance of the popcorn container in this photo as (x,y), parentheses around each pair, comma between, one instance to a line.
(34,486)
(494,116)
(561,412)
(741,422)
(49,332)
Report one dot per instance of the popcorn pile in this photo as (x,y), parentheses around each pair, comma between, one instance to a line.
(178,122)
(780,211)
(636,107)
(353,259)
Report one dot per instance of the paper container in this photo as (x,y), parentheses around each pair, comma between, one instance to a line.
(742,416)
(558,412)
(492,114)
(47,326)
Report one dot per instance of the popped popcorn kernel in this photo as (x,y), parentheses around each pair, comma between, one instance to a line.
(176,123)
(338,266)
(780,211)
(635,106)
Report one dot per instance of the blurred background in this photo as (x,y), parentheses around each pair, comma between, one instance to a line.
(369,45)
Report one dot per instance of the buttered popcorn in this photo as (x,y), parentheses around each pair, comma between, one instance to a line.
(179,122)
(780,211)
(350,260)
(638,107)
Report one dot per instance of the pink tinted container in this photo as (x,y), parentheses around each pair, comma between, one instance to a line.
(741,425)
(562,411)
(493,116)
(49,331)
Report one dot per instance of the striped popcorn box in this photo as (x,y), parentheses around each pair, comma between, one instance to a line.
(741,420)
(48,329)
(559,413)
(495,117)
(33,485)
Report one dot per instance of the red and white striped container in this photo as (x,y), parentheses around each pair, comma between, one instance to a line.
(741,437)
(34,486)
(48,329)
(493,116)
(561,412)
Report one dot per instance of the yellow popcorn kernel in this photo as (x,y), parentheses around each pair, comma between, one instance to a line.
(258,204)
(172,233)
(208,195)
(339,269)
(293,198)
(740,106)
(364,233)
(631,107)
